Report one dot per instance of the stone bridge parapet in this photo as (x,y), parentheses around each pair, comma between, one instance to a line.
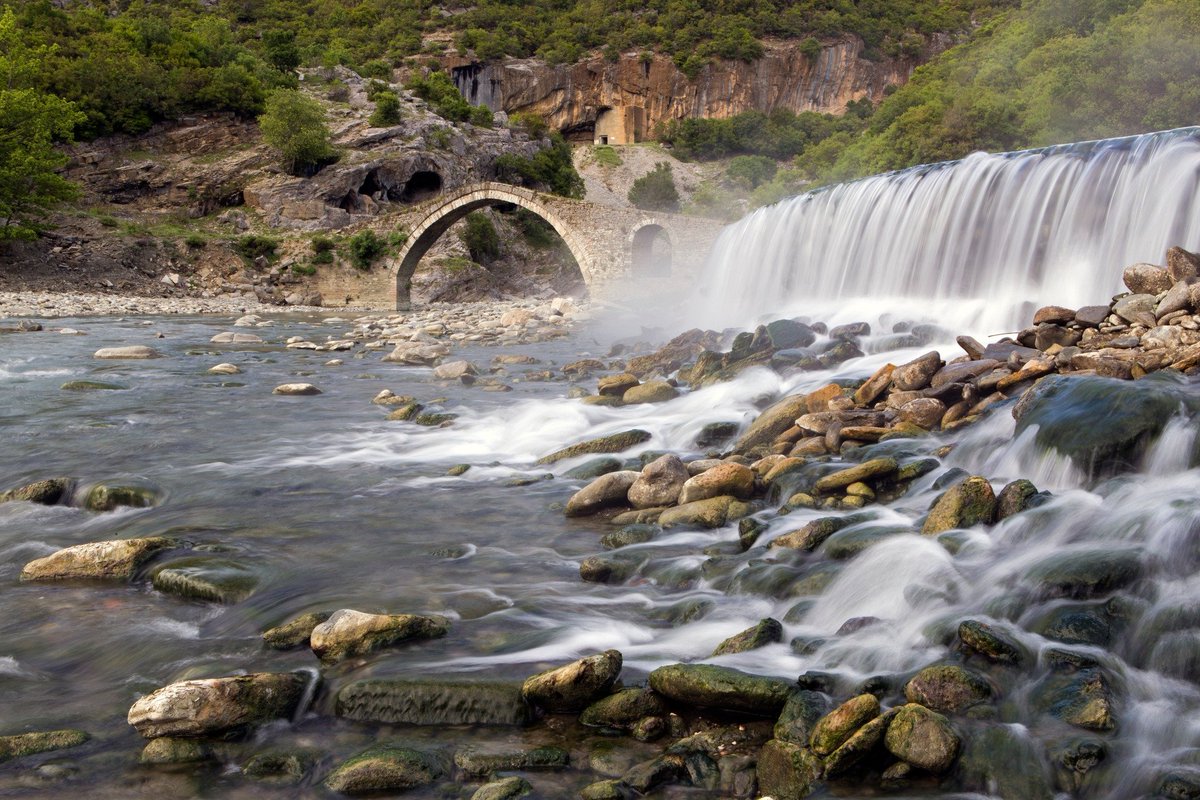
(608,243)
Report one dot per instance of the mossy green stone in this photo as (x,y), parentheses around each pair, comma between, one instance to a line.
(767,631)
(283,767)
(969,503)
(787,771)
(295,632)
(832,730)
(623,709)
(47,492)
(616,443)
(90,386)
(721,687)
(477,761)
(25,744)
(385,768)
(923,738)
(107,497)
(172,750)
(216,580)
(508,788)
(947,688)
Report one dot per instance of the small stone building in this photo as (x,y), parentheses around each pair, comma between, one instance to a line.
(621,125)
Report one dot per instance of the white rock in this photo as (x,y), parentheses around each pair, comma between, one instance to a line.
(131,351)
(224,369)
(296,388)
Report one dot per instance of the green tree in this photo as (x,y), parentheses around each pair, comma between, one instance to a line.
(551,169)
(751,170)
(366,247)
(655,191)
(281,50)
(387,110)
(294,124)
(480,238)
(31,121)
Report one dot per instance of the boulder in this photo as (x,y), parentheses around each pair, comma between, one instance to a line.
(298,389)
(711,513)
(948,688)
(917,373)
(47,492)
(1085,573)
(616,385)
(112,560)
(1014,498)
(295,632)
(989,642)
(224,369)
(454,371)
(922,738)
(594,468)
(832,730)
(217,580)
(606,491)
(488,759)
(925,412)
(813,534)
(1136,308)
(229,337)
(417,354)
(1082,698)
(649,392)
(1146,279)
(27,744)
(349,633)
(767,631)
(91,386)
(785,334)
(215,706)
(1092,316)
(860,744)
(606,569)
(432,701)
(623,709)
(728,478)
(1058,315)
(615,443)
(804,708)
(773,421)
(137,351)
(874,386)
(173,750)
(659,484)
(508,788)
(866,471)
(111,496)
(787,771)
(574,686)
(1182,265)
(969,503)
(385,768)
(721,687)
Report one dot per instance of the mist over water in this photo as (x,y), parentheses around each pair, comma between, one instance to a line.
(976,243)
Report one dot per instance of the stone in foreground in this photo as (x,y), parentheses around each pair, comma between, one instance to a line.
(573,686)
(350,633)
(787,771)
(385,768)
(721,687)
(46,492)
(434,702)
(215,706)
(113,560)
(922,738)
(296,389)
(136,351)
(27,744)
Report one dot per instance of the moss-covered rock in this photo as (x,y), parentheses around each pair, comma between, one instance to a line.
(173,750)
(594,468)
(721,687)
(922,738)
(573,686)
(1083,699)
(434,702)
(27,744)
(649,392)
(770,423)
(800,715)
(629,534)
(282,767)
(867,471)
(623,709)
(767,631)
(615,443)
(484,760)
(969,503)
(711,513)
(1086,573)
(47,492)
(116,560)
(1014,498)
(349,633)
(787,771)
(990,642)
(385,768)
(91,386)
(215,706)
(110,496)
(832,730)
(948,688)
(508,788)
(860,744)
(218,580)
(295,632)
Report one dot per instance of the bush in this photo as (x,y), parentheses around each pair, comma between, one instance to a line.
(251,246)
(294,125)
(443,96)
(481,116)
(606,156)
(397,238)
(387,110)
(551,169)
(307,270)
(480,238)
(751,171)
(532,124)
(655,191)
(195,241)
(365,249)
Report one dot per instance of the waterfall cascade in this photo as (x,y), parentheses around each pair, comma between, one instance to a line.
(1054,225)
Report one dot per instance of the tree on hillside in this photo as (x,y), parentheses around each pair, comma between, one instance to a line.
(294,124)
(31,121)
(655,191)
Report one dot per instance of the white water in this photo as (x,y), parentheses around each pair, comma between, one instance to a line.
(974,243)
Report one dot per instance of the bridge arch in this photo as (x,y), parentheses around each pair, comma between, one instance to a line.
(454,206)
(645,248)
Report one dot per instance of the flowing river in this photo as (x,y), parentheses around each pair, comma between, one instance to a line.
(323,505)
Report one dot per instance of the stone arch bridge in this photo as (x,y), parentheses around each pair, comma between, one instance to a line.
(609,243)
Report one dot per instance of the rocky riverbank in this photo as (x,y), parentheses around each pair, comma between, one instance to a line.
(1026,695)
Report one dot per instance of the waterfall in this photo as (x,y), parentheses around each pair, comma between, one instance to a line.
(981,241)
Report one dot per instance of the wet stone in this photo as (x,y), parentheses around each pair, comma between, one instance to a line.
(347,633)
(767,631)
(214,706)
(281,767)
(720,687)
(623,709)
(118,559)
(573,686)
(989,642)
(484,760)
(508,788)
(638,533)
(170,750)
(947,688)
(385,768)
(295,632)
(922,738)
(46,492)
(1086,573)
(615,443)
(832,730)
(787,771)
(26,744)
(434,702)
(216,580)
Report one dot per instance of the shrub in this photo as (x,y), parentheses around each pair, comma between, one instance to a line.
(532,124)
(655,191)
(365,248)
(397,238)
(195,241)
(480,238)
(387,110)
(251,246)
(294,125)
(751,171)
(551,168)
(308,270)
(606,156)
(481,116)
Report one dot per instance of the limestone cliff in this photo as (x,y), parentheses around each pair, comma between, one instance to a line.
(571,96)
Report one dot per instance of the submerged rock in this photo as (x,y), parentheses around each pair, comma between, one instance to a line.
(508,788)
(110,496)
(385,768)
(296,389)
(215,706)
(1087,573)
(173,750)
(281,767)
(721,687)
(487,759)
(616,443)
(91,386)
(136,351)
(573,686)
(350,633)
(434,702)
(1083,699)
(989,642)
(218,580)
(113,560)
(27,744)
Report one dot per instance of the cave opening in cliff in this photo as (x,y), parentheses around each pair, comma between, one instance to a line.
(651,256)
(421,186)
(371,187)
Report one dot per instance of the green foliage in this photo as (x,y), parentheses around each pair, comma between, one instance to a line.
(780,135)
(551,169)
(751,170)
(532,124)
(294,125)
(279,47)
(307,270)
(481,116)
(322,244)
(439,138)
(443,96)
(480,238)
(30,122)
(195,241)
(252,246)
(655,191)
(535,230)
(397,238)
(365,247)
(387,110)
(606,156)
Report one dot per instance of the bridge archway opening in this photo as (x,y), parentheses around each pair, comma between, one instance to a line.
(651,252)
(423,185)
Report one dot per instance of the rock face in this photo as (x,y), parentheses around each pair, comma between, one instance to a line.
(114,560)
(215,706)
(568,96)
(352,633)
(574,686)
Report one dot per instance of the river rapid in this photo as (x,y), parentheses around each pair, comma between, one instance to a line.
(330,506)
